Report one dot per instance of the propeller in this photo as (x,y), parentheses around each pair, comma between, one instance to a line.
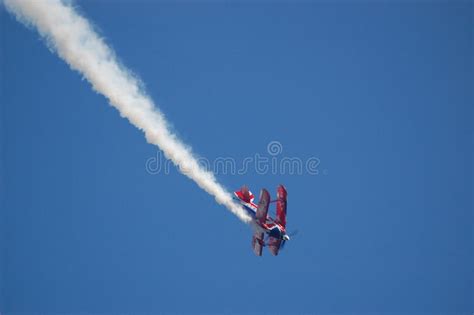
(283,242)
(293,233)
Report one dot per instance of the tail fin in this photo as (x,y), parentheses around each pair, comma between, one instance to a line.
(245,194)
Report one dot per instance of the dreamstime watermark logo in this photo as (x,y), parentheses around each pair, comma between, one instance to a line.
(272,162)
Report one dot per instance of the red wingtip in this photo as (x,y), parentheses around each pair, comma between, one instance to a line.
(281,192)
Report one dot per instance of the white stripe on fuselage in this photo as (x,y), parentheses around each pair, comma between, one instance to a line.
(251,208)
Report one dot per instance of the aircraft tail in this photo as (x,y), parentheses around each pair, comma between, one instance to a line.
(245,194)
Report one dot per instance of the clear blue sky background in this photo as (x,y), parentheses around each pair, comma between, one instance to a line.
(380,93)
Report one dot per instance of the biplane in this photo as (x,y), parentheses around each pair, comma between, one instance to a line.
(273,228)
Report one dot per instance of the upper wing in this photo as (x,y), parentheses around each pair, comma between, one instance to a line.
(281,205)
(273,245)
(262,208)
(257,243)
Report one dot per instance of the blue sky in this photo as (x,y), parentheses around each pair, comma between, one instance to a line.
(380,93)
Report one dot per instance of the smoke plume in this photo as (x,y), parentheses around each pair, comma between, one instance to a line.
(73,38)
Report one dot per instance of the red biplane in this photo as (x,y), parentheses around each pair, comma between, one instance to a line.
(274,229)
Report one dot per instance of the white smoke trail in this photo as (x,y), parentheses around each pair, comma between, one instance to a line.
(75,41)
